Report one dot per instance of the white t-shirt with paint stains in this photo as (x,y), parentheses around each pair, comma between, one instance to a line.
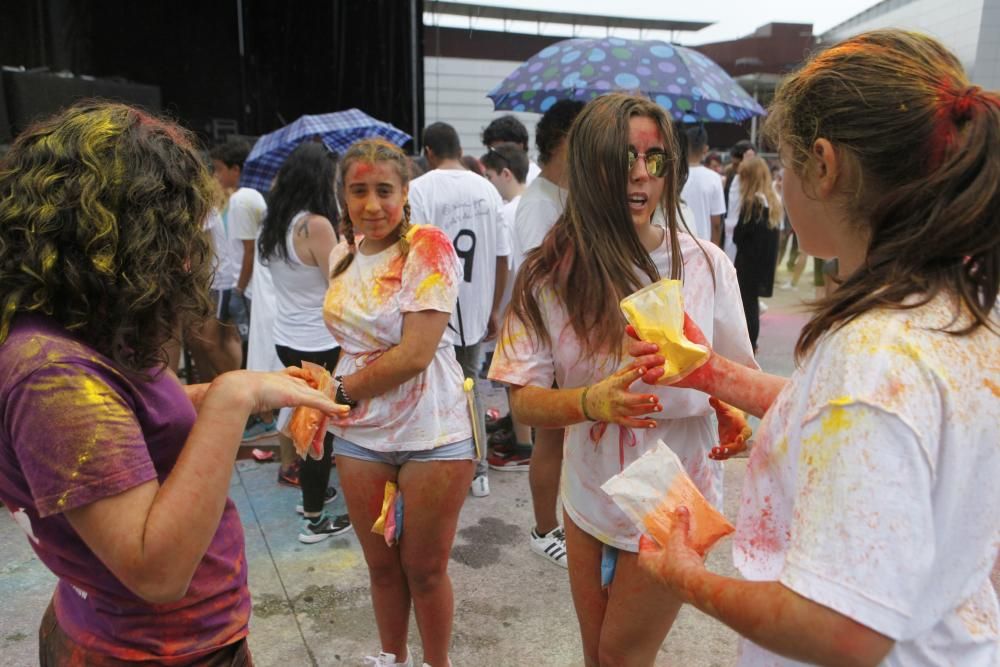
(364,309)
(594,452)
(873,487)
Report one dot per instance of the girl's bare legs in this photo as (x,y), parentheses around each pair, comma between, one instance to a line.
(364,487)
(625,625)
(433,493)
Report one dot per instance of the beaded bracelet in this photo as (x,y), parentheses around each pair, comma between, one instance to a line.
(342,396)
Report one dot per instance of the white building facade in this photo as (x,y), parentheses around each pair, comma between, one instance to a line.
(969,28)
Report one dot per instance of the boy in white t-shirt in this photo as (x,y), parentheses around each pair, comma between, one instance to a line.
(540,207)
(506,167)
(241,217)
(508,129)
(216,345)
(470,212)
(703,190)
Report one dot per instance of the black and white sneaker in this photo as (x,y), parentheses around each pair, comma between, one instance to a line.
(331,495)
(551,545)
(322,527)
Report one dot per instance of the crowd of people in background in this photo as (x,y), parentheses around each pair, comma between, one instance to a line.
(405,277)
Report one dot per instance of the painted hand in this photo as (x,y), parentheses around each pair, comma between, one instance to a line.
(672,563)
(647,355)
(733,430)
(611,400)
(286,389)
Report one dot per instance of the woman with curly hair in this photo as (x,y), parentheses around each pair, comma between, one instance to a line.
(119,474)
(390,298)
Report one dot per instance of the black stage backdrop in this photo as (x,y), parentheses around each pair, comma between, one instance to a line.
(224,66)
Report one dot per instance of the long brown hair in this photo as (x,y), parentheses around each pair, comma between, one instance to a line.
(925,147)
(371,151)
(591,255)
(757,191)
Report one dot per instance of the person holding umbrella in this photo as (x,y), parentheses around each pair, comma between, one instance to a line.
(564,326)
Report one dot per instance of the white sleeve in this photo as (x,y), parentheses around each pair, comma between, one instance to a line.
(244,216)
(862,539)
(503,231)
(520,358)
(534,223)
(419,215)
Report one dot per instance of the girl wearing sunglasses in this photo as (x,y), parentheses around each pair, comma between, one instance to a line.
(564,325)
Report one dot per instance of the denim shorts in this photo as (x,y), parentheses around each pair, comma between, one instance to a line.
(231,307)
(463,450)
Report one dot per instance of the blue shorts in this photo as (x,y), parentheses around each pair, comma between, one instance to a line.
(464,450)
(233,308)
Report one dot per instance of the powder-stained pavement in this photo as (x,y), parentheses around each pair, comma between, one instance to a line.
(312,605)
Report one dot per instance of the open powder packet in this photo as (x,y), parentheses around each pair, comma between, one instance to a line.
(657,314)
(307,427)
(655,485)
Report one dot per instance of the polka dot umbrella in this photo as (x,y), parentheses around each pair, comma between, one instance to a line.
(686,83)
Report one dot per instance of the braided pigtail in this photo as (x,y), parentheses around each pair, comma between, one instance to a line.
(347,231)
(404,229)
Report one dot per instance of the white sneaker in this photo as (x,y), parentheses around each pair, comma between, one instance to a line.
(387,660)
(551,545)
(481,486)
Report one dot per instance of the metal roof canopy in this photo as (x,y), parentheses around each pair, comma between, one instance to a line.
(565,18)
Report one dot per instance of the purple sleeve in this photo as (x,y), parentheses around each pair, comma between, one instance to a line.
(75,436)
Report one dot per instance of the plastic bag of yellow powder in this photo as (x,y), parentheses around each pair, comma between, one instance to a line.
(657,314)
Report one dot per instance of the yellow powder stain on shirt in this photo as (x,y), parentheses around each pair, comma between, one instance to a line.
(819,449)
(431,282)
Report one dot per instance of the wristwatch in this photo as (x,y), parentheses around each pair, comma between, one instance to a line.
(342,396)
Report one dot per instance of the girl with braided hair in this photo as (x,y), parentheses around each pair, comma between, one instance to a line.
(392,289)
(868,525)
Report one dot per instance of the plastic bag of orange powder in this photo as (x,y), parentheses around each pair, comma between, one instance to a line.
(655,485)
(657,314)
(307,427)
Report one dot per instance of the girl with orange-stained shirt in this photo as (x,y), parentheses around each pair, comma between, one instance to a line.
(390,298)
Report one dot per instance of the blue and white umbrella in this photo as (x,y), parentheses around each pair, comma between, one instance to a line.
(336,130)
(689,84)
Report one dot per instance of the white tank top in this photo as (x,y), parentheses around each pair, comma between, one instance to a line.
(300,290)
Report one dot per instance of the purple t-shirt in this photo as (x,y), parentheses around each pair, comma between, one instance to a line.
(75,429)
